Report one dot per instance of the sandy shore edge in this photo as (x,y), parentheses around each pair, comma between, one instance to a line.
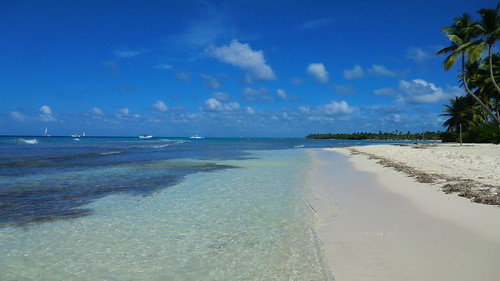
(379,224)
(471,171)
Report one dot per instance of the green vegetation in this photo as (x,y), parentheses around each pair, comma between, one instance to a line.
(477,114)
(380,136)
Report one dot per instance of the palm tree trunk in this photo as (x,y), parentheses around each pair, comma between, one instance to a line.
(494,117)
(490,47)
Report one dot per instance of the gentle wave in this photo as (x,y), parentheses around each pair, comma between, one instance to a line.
(111,153)
(151,145)
(33,141)
(160,146)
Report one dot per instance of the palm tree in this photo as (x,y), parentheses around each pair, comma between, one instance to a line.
(460,34)
(462,111)
(480,80)
(489,30)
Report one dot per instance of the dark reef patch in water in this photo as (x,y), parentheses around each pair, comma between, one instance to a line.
(64,197)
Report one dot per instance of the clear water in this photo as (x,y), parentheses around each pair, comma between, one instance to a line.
(157,209)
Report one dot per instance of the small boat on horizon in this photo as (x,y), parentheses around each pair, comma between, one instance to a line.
(144,136)
(46,133)
(196,137)
(75,136)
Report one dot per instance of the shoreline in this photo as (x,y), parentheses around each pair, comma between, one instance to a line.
(375,223)
(471,171)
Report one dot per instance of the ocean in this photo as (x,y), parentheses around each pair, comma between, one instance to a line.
(158,209)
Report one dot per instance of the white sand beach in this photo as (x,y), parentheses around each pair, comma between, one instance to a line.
(376,223)
(479,162)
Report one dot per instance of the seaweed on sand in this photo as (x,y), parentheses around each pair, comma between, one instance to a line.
(473,190)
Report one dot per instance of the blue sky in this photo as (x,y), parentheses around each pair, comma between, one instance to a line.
(224,68)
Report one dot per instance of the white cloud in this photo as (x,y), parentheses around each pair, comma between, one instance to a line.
(305,109)
(45,109)
(213,104)
(125,113)
(211,82)
(454,91)
(221,96)
(380,70)
(318,71)
(17,116)
(96,114)
(355,73)
(160,106)
(286,116)
(242,56)
(282,94)
(96,111)
(250,110)
(46,115)
(251,95)
(397,118)
(421,91)
(338,108)
(321,112)
(418,55)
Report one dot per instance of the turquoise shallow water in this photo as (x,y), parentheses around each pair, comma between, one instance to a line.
(247,221)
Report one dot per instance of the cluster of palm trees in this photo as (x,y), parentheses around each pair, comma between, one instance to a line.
(472,43)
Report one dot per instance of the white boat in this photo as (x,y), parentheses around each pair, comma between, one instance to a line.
(46,134)
(75,135)
(144,136)
(196,137)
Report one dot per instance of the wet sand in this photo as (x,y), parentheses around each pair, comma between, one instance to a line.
(375,223)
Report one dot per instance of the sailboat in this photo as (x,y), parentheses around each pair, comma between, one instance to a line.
(46,134)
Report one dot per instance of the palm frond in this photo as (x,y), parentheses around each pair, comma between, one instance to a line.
(475,52)
(446,50)
(496,33)
(488,19)
(450,60)
(448,30)
(454,39)
(466,46)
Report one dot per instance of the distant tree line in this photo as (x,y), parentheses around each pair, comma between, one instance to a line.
(397,135)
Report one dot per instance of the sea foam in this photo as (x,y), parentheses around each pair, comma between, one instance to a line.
(32,141)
